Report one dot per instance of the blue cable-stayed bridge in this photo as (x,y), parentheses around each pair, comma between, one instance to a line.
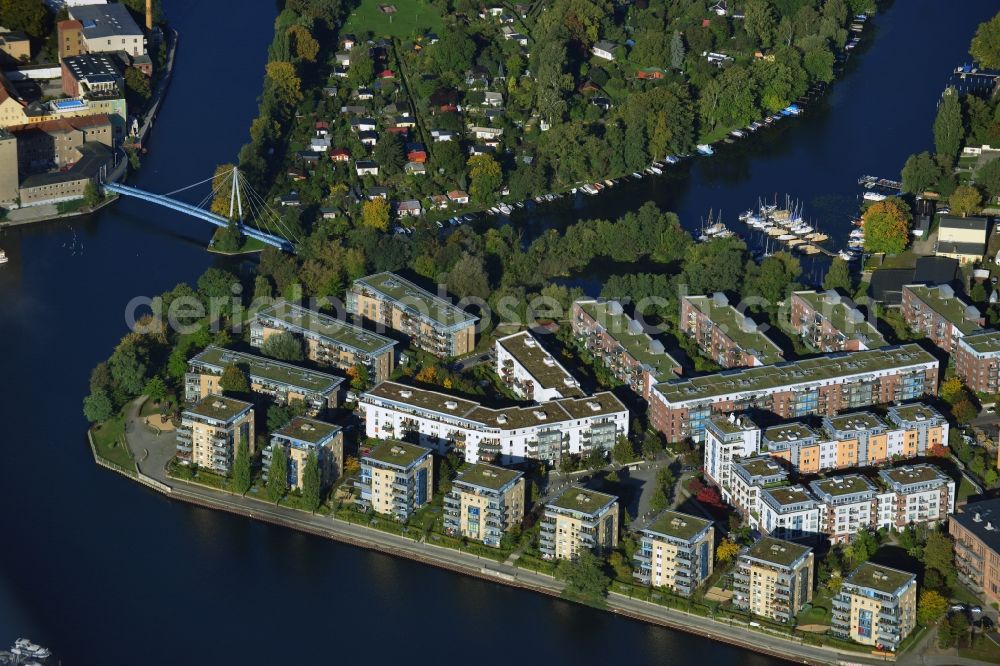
(276,234)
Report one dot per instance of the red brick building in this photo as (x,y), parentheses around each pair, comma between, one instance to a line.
(726,335)
(939,314)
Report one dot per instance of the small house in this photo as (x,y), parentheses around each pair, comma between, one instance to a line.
(493,99)
(458,197)
(415,169)
(366,168)
(604,50)
(409,208)
(369,139)
(340,155)
(377,192)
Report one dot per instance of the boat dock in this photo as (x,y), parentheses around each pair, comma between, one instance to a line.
(869,182)
(785,225)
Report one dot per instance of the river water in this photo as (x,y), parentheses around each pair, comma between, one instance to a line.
(101,570)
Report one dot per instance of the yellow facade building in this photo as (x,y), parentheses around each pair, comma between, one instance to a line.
(432,322)
(211,432)
(301,437)
(484,503)
(579,520)
(773,579)
(675,552)
(876,606)
(396,479)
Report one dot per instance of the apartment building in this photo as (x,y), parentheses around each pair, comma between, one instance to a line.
(622,345)
(749,477)
(530,371)
(56,144)
(773,579)
(920,494)
(545,432)
(484,503)
(976,531)
(300,437)
(431,322)
(876,606)
(788,512)
(211,432)
(578,520)
(396,479)
(829,322)
(91,73)
(675,552)
(9,176)
(328,340)
(977,361)
(796,443)
(939,314)
(726,335)
(283,382)
(107,28)
(728,438)
(823,385)
(847,504)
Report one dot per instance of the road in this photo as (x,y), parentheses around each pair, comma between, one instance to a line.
(152,451)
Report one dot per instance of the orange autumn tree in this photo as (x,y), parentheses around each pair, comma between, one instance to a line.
(887,226)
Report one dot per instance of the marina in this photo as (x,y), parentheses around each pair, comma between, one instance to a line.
(786,225)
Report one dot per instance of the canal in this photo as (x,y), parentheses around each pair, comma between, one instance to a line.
(99,569)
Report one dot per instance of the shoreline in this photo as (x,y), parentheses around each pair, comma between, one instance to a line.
(464,563)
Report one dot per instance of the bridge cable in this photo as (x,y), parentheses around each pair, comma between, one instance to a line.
(265,213)
(201,182)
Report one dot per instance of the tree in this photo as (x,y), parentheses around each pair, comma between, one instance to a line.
(277,474)
(448,156)
(97,406)
(939,554)
(375,214)
(963,411)
(28,16)
(234,380)
(838,276)
(727,550)
(92,195)
(306,46)
(988,177)
(952,390)
(156,389)
(361,69)
(389,153)
(773,278)
(716,265)
(920,173)
(759,21)
(468,278)
(311,488)
(216,284)
(287,86)
(137,85)
(985,47)
(965,200)
(128,370)
(659,502)
(221,185)
(283,346)
(485,175)
(622,452)
(930,607)
(241,479)
(948,126)
(677,51)
(584,578)
(887,226)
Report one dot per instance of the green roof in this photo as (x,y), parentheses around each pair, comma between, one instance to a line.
(415,300)
(838,314)
(761,466)
(727,427)
(337,331)
(788,432)
(838,486)
(539,363)
(218,408)
(490,477)
(308,430)
(396,453)
(953,309)
(788,495)
(730,322)
(777,551)
(855,421)
(678,525)
(882,579)
(987,342)
(790,373)
(912,474)
(217,358)
(582,500)
(916,412)
(636,344)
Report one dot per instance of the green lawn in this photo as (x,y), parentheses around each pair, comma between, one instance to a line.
(983,650)
(965,489)
(412,17)
(109,443)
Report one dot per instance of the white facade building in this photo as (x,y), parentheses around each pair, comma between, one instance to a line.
(530,371)
(540,432)
(726,438)
(789,512)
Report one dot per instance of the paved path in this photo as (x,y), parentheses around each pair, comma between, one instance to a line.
(152,453)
